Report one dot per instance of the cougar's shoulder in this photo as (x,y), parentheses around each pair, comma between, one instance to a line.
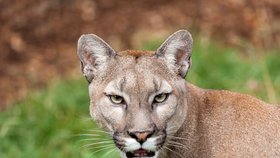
(222,123)
(231,105)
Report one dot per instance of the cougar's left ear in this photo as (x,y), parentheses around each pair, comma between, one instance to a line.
(176,50)
(94,54)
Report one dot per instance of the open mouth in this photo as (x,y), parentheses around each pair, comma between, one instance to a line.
(140,153)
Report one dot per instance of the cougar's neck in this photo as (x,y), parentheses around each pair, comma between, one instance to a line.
(189,135)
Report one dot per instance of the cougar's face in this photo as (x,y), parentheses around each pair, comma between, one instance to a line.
(139,103)
(138,96)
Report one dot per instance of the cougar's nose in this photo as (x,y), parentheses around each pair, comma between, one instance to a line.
(142,136)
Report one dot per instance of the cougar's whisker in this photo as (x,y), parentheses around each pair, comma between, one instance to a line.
(177,145)
(90,134)
(103,142)
(105,148)
(165,147)
(99,131)
(94,139)
(174,137)
(109,152)
(100,146)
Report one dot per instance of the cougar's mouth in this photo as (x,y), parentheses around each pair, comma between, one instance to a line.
(140,153)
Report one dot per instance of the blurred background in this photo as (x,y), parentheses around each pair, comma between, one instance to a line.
(43,98)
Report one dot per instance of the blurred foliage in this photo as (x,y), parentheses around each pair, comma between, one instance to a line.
(49,123)
(38,37)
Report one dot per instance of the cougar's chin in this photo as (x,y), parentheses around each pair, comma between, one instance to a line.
(140,153)
(133,149)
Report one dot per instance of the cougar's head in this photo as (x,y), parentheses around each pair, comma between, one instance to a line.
(138,96)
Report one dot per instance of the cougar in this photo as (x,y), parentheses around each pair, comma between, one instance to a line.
(143,100)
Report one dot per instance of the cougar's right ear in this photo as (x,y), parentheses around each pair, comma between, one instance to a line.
(94,53)
(177,50)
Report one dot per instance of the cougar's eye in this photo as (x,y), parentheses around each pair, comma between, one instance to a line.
(160,98)
(116,99)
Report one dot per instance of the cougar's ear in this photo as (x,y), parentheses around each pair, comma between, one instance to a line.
(94,54)
(176,50)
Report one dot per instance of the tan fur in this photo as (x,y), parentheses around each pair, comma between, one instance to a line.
(136,53)
(192,122)
(228,124)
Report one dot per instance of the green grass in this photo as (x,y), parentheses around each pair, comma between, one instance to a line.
(48,123)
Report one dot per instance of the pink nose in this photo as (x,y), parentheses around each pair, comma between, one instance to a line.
(141,137)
